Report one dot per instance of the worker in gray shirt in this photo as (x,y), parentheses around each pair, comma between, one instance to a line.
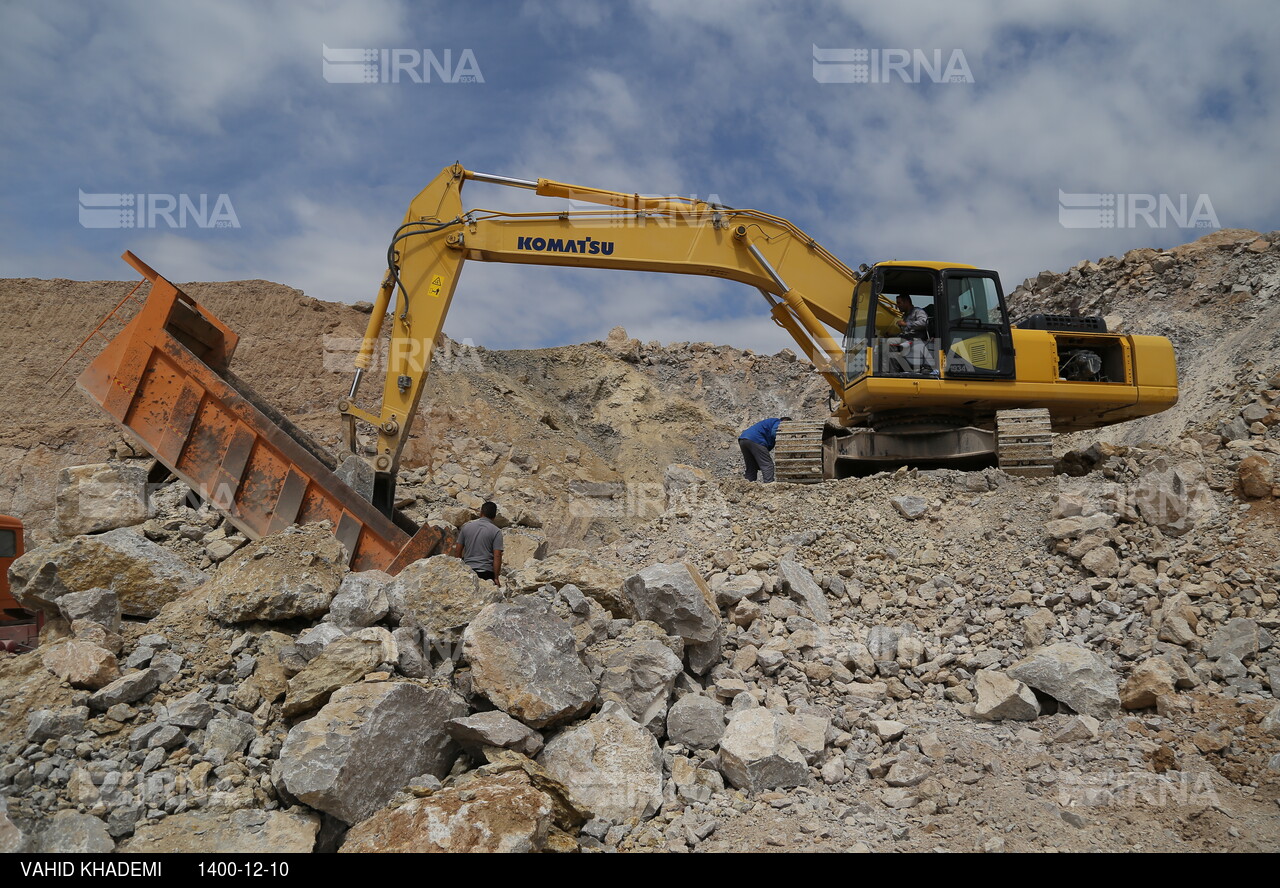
(479,545)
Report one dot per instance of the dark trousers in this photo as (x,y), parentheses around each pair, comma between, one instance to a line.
(757,458)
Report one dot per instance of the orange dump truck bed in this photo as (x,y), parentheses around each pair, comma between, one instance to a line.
(165,378)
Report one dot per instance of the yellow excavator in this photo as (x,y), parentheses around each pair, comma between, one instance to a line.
(928,369)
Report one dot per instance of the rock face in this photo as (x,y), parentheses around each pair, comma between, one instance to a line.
(596,579)
(675,597)
(1072,675)
(341,663)
(98,497)
(80,664)
(757,752)
(239,832)
(439,595)
(610,765)
(1000,697)
(797,580)
(143,576)
(525,660)
(287,575)
(366,743)
(503,813)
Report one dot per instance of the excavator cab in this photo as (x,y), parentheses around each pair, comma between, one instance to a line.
(929,320)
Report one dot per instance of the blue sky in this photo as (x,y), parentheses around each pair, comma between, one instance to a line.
(654,96)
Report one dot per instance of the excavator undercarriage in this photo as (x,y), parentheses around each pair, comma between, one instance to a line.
(1021,444)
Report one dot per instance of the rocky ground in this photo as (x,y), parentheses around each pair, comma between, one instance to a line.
(679,660)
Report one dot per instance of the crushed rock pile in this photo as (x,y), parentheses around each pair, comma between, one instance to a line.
(915,661)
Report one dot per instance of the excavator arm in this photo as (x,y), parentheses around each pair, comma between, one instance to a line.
(808,289)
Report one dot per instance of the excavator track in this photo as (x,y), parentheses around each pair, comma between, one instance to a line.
(1024,442)
(797,453)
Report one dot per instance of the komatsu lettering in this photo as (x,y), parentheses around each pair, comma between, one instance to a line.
(587,245)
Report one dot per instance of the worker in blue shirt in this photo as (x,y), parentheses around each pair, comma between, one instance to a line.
(756,442)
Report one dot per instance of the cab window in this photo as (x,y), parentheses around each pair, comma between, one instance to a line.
(8,543)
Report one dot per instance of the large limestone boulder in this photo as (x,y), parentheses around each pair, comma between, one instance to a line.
(521,548)
(361,599)
(1256,477)
(291,574)
(1001,697)
(696,721)
(1173,498)
(99,497)
(641,676)
(143,576)
(1071,675)
(47,724)
(494,728)
(126,689)
(1150,680)
(1177,621)
(440,596)
(80,664)
(796,580)
(247,831)
(595,578)
(366,743)
(676,598)
(503,813)
(70,832)
(1240,637)
(12,839)
(610,765)
(758,752)
(100,606)
(343,662)
(524,659)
